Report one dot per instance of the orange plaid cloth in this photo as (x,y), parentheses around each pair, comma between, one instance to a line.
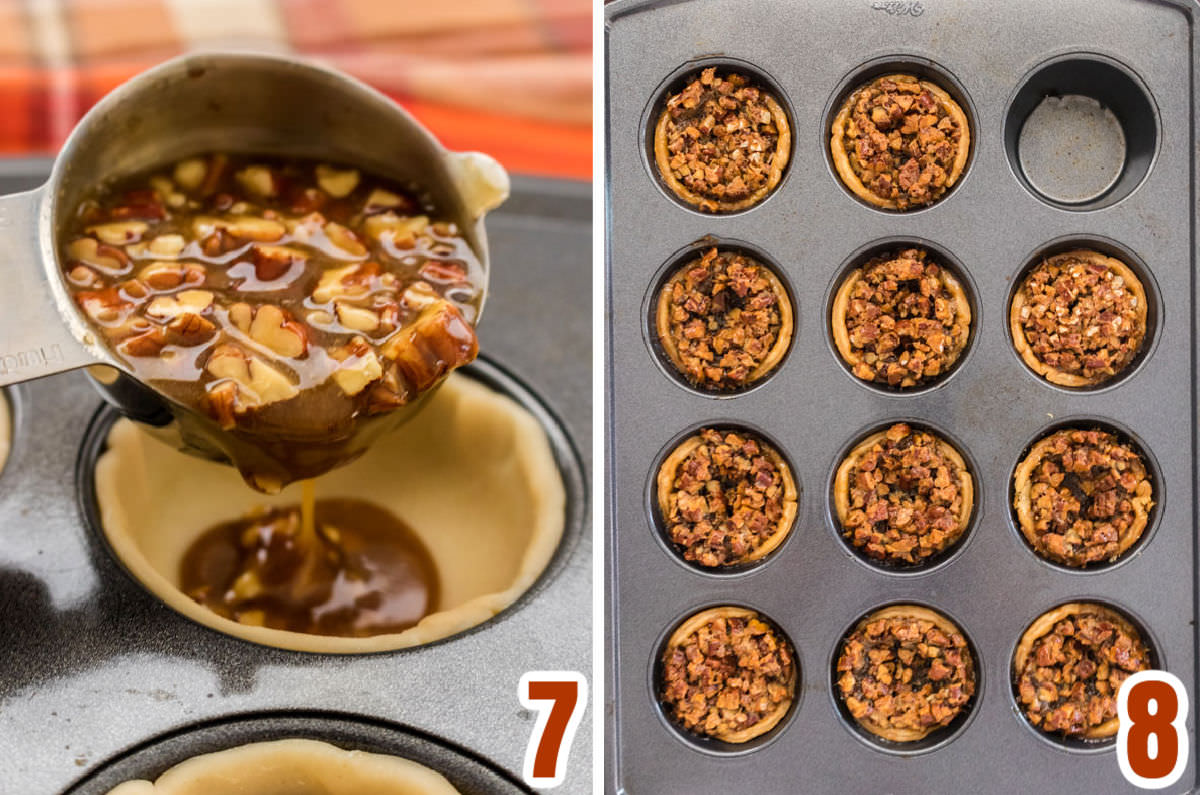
(508,77)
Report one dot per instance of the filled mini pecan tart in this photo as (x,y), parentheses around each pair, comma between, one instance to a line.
(1082,496)
(905,672)
(899,142)
(903,495)
(1070,664)
(722,143)
(901,319)
(1079,318)
(725,498)
(724,320)
(728,674)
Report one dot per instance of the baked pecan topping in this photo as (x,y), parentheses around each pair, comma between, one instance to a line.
(901,319)
(726,498)
(1079,317)
(724,320)
(902,677)
(721,143)
(1068,677)
(731,677)
(1082,496)
(900,142)
(903,495)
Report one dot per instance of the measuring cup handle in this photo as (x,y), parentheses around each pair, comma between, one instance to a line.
(34,337)
(481,181)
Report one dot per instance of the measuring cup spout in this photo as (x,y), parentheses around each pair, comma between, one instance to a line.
(35,338)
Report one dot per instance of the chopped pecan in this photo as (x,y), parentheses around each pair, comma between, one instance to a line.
(901,319)
(727,674)
(900,142)
(1070,665)
(438,341)
(1079,318)
(725,498)
(1082,496)
(903,495)
(905,672)
(721,143)
(724,320)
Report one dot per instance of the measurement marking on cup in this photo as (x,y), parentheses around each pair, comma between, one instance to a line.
(899,8)
(35,357)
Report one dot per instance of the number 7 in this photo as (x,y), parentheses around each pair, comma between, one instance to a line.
(546,757)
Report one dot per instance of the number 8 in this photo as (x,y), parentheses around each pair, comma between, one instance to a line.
(1166,725)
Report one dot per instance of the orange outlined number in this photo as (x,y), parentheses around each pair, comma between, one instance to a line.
(559,698)
(1152,741)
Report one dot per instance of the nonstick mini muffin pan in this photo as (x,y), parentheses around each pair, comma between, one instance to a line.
(1081,117)
(96,669)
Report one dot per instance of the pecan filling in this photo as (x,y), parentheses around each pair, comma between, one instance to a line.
(1082,496)
(287,301)
(1069,674)
(900,142)
(1079,318)
(728,675)
(903,495)
(904,676)
(726,498)
(721,143)
(724,320)
(900,320)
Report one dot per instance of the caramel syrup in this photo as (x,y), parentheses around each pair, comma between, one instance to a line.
(341,567)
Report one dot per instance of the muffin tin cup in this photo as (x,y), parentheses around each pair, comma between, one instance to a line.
(101,667)
(991,406)
(469,773)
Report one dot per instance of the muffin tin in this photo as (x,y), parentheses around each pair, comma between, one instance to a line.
(98,675)
(1137,59)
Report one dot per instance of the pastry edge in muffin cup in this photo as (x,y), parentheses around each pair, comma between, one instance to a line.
(771,719)
(841,159)
(1052,374)
(665,487)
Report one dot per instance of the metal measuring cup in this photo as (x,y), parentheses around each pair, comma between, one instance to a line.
(197,103)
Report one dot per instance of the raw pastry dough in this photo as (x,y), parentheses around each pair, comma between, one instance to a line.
(473,475)
(293,767)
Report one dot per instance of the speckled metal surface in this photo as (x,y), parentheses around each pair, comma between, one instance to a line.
(91,665)
(993,223)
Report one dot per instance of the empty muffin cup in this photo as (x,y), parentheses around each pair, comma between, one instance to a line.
(156,502)
(306,765)
(722,141)
(723,320)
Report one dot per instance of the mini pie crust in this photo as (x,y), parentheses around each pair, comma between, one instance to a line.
(841,481)
(666,484)
(488,548)
(662,324)
(293,767)
(1045,624)
(770,720)
(879,728)
(1142,500)
(1061,377)
(841,305)
(841,158)
(783,147)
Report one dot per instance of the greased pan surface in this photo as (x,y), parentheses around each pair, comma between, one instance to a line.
(92,665)
(997,58)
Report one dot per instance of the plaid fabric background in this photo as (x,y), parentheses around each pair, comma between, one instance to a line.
(509,77)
